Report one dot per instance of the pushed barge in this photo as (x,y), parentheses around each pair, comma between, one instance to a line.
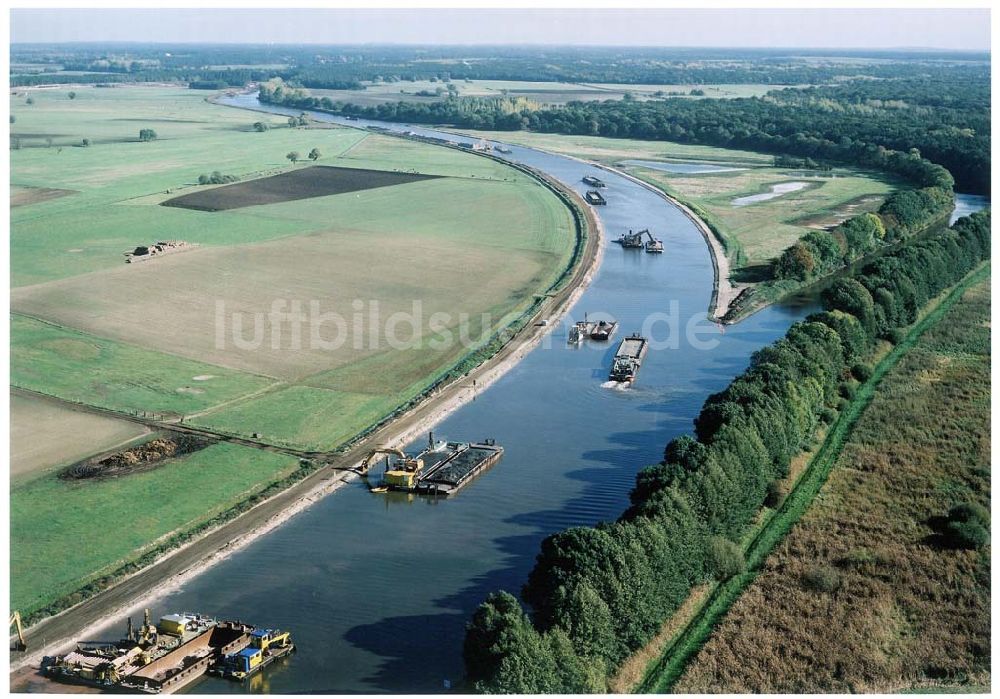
(594,182)
(595,198)
(167,657)
(442,468)
(628,358)
(601,330)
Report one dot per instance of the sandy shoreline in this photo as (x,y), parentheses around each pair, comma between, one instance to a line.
(109,607)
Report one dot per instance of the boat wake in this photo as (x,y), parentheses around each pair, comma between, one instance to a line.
(616,385)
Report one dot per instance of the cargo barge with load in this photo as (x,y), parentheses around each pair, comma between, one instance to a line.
(594,182)
(167,657)
(595,198)
(601,330)
(442,468)
(628,358)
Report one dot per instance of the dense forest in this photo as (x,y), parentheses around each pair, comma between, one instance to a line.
(599,593)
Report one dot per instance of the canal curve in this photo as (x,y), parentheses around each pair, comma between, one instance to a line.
(377,589)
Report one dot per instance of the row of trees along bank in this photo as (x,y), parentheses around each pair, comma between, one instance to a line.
(599,593)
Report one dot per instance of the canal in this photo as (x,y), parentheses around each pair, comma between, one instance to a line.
(377,589)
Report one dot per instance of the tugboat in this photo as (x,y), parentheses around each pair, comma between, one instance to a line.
(628,358)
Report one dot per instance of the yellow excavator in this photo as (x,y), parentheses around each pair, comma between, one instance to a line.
(20,644)
(402,476)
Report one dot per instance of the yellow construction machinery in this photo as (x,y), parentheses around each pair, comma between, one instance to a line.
(20,644)
(401,475)
(148,634)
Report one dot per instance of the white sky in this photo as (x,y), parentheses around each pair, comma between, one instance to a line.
(967,29)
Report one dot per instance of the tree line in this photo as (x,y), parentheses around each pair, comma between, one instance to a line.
(338,67)
(833,124)
(599,593)
(903,213)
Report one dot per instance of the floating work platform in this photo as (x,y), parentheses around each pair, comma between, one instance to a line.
(167,657)
(440,469)
(594,182)
(630,239)
(628,358)
(595,198)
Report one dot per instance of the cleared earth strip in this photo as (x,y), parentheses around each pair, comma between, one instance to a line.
(661,677)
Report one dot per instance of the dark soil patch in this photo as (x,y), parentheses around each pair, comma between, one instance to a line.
(306,183)
(22,196)
(133,459)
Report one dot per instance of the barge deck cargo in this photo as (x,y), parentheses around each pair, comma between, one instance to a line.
(441,469)
(628,358)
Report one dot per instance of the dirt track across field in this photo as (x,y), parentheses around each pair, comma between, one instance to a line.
(304,183)
(53,634)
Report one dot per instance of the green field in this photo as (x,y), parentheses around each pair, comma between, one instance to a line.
(97,371)
(64,534)
(481,238)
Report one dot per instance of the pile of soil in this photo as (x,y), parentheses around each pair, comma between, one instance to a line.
(135,458)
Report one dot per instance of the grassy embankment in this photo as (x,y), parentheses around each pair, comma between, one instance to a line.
(483,238)
(663,675)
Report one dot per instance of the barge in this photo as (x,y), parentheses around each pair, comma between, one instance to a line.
(442,468)
(600,331)
(603,330)
(595,198)
(628,358)
(168,656)
(594,182)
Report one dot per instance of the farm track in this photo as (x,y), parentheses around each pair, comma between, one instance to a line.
(668,669)
(52,633)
